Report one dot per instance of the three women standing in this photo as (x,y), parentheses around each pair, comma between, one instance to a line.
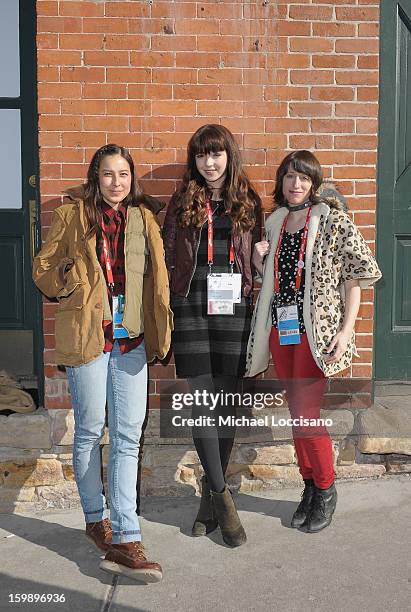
(103,261)
(211,225)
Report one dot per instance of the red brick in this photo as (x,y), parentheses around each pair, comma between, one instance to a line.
(357,45)
(268,11)
(357,14)
(175,75)
(222,44)
(367,94)
(310,141)
(355,110)
(83,8)
(58,58)
(47,74)
(47,41)
(127,9)
(310,109)
(366,126)
(168,9)
(48,107)
(59,24)
(54,154)
(77,171)
(47,7)
(195,92)
(127,107)
(187,59)
(368,61)
(149,58)
(354,172)
(332,125)
(239,92)
(365,188)
(51,171)
(311,13)
(105,123)
(128,42)
(332,93)
(225,75)
(206,10)
(83,107)
(357,77)
(355,142)
(105,25)
(276,92)
(59,90)
(265,141)
(284,126)
(333,61)
(365,157)
(83,139)
(165,42)
(331,30)
(311,77)
(174,107)
(85,75)
(150,91)
(368,29)
(107,58)
(63,123)
(105,90)
(81,41)
(128,75)
(220,108)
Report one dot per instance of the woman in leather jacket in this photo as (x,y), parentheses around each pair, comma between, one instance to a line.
(211,225)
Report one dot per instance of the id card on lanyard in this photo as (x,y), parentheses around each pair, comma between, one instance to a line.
(117,301)
(223,289)
(287,316)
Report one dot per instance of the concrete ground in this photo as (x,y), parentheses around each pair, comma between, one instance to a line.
(361,562)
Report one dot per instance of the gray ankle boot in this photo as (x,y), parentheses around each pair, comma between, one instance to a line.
(228,519)
(206,520)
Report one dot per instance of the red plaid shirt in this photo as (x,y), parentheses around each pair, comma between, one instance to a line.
(113,227)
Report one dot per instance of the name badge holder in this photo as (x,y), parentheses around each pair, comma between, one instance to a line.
(117,301)
(223,289)
(287,316)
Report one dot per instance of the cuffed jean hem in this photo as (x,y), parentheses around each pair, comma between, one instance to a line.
(95,516)
(123,537)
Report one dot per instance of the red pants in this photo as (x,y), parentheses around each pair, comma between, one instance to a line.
(305,385)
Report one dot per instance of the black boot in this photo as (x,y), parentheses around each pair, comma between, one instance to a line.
(228,519)
(303,508)
(322,509)
(205,521)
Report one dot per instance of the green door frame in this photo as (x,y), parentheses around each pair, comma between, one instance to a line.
(392,340)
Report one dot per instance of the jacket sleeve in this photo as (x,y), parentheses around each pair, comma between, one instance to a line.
(358,263)
(53,271)
(170,233)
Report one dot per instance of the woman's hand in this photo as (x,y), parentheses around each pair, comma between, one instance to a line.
(337,347)
(261,249)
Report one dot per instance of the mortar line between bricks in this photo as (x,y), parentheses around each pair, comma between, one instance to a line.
(108,599)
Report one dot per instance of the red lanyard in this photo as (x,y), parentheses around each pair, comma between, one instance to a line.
(210,239)
(109,270)
(300,262)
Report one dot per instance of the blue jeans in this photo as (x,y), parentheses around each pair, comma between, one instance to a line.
(121,380)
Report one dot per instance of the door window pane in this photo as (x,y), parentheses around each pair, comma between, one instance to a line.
(9,49)
(10,160)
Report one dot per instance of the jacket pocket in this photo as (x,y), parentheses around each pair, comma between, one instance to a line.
(68,333)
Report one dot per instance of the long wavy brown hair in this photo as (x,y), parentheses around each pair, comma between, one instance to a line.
(239,195)
(305,162)
(93,199)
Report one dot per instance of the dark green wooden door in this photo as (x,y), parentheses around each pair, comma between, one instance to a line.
(393,297)
(20,320)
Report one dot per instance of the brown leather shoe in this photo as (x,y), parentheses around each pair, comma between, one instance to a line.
(130,560)
(100,533)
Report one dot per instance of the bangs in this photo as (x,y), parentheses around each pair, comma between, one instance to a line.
(207,141)
(300,165)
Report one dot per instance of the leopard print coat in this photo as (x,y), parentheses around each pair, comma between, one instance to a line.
(336,252)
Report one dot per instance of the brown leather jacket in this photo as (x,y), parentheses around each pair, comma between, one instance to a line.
(181,247)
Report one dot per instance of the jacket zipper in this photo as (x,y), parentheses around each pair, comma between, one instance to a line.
(195,260)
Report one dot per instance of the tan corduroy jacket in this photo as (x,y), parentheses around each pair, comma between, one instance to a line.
(67,268)
(336,252)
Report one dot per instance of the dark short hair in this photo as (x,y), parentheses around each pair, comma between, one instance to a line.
(301,161)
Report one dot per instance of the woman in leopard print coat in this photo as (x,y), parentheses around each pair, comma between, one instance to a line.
(337,263)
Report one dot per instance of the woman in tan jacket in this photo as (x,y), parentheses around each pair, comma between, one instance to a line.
(315,264)
(103,261)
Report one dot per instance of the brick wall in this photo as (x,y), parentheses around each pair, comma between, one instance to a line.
(146,74)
